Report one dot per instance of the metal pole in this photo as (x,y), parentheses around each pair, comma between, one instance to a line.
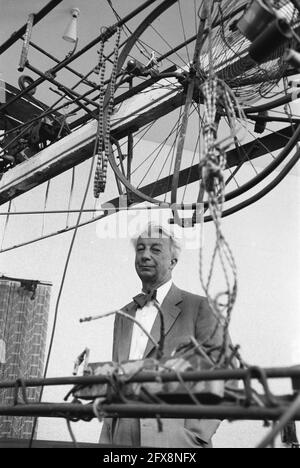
(55,59)
(67,410)
(205,376)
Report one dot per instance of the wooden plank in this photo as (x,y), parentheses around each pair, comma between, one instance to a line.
(78,146)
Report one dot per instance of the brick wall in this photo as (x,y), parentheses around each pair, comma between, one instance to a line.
(24,308)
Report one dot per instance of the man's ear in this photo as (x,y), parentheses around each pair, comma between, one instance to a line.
(174,262)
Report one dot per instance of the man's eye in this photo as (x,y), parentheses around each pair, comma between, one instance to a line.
(156,250)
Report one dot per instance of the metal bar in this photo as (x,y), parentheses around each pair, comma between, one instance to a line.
(75,72)
(196,412)
(226,374)
(70,92)
(260,118)
(230,411)
(179,206)
(37,17)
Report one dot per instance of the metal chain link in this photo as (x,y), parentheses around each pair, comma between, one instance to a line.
(100,69)
(103,131)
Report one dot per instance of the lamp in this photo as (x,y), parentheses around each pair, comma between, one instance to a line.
(70,34)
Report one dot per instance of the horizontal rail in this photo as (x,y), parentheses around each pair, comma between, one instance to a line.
(71,410)
(190,376)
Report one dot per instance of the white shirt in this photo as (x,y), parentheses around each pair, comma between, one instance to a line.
(146,317)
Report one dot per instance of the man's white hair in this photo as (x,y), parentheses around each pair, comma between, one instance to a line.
(157,231)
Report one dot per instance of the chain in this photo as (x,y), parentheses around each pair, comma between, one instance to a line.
(100,70)
(103,130)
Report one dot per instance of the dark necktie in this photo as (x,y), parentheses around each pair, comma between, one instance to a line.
(142,299)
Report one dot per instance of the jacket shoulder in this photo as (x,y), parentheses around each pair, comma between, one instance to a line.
(194,298)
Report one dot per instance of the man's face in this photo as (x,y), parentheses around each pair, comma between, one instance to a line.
(153,260)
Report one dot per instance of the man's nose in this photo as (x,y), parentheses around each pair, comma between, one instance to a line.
(146,254)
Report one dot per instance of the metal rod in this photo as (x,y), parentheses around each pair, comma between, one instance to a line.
(226,374)
(75,72)
(70,92)
(230,411)
(101,210)
(259,118)
(195,412)
(37,17)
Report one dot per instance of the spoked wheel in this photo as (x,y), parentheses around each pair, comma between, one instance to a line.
(157,126)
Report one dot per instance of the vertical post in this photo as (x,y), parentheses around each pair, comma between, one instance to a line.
(129,146)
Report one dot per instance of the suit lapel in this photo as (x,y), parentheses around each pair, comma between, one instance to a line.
(125,334)
(170,309)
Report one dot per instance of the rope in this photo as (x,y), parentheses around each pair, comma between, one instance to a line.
(218,100)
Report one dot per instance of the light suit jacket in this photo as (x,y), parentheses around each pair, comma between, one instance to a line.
(185,315)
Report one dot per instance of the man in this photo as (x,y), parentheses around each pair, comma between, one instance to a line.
(184,315)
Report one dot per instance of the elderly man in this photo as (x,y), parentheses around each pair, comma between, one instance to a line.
(185,315)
